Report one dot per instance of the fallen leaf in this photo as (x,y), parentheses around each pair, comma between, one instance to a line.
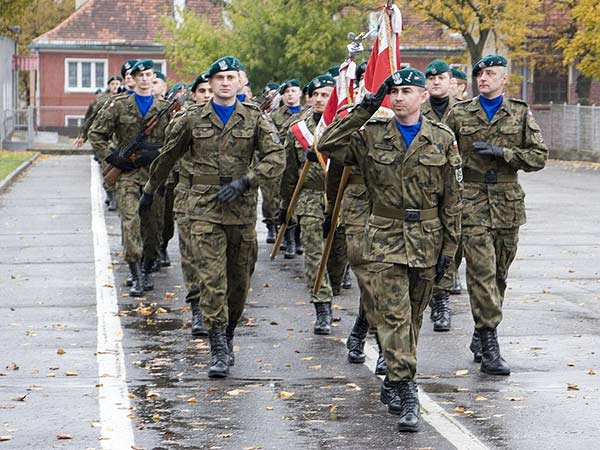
(192,400)
(152,395)
(156,418)
(480,398)
(161,311)
(131,395)
(6,437)
(353,386)
(237,392)
(285,394)
(60,351)
(269,408)
(20,398)
(250,322)
(459,410)
(225,435)
(317,367)
(460,373)
(169,296)
(572,387)
(571,364)
(591,372)
(64,436)
(308,358)
(71,374)
(12,366)
(515,399)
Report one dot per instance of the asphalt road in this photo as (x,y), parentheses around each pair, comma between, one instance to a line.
(289,388)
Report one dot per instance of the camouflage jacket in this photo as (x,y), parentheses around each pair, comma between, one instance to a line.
(121,120)
(92,112)
(282,119)
(427,110)
(311,201)
(356,204)
(212,155)
(499,202)
(415,191)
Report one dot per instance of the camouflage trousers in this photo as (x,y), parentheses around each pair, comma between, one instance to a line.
(107,187)
(223,257)
(168,219)
(270,202)
(446,284)
(139,234)
(400,295)
(489,254)
(338,258)
(312,238)
(360,267)
(187,267)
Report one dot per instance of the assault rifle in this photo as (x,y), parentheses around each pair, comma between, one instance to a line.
(112,173)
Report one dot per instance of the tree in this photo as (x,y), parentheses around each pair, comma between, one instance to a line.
(583,47)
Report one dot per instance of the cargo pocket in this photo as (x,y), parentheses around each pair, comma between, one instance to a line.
(513,211)
(378,242)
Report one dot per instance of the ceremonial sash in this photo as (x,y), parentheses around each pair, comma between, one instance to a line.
(305,137)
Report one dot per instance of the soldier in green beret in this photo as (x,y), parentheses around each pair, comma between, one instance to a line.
(200,89)
(126,74)
(159,84)
(497,137)
(227,148)
(458,84)
(412,171)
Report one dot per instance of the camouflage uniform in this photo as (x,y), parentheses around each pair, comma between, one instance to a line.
(309,209)
(223,236)
(415,217)
(494,206)
(122,119)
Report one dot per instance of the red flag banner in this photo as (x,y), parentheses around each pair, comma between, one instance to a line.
(343,92)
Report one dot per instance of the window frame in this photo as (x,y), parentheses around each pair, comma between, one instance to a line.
(77,117)
(94,86)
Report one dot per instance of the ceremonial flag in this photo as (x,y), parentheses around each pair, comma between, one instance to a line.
(343,93)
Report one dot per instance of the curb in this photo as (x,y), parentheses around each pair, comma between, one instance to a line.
(68,151)
(5,184)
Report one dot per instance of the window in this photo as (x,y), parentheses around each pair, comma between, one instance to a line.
(74,121)
(550,86)
(160,65)
(85,75)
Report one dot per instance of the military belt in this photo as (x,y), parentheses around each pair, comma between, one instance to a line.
(407,215)
(356,179)
(489,177)
(211,180)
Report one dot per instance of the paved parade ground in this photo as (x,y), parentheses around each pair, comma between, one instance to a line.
(84,366)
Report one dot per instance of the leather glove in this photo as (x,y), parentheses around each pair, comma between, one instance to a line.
(145,157)
(486,149)
(442,267)
(372,102)
(233,190)
(282,215)
(145,202)
(326,226)
(119,162)
(311,155)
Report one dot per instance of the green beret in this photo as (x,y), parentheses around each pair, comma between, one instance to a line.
(289,83)
(270,87)
(320,82)
(176,87)
(489,61)
(113,78)
(456,73)
(127,65)
(202,78)
(224,64)
(437,67)
(334,71)
(160,75)
(406,77)
(141,65)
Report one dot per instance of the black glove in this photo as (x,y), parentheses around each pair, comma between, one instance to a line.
(144,158)
(145,202)
(311,155)
(326,226)
(119,162)
(233,190)
(486,149)
(442,267)
(372,102)
(282,216)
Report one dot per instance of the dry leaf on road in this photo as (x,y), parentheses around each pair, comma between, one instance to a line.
(285,394)
(64,436)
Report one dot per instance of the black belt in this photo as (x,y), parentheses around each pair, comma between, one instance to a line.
(407,215)
(356,179)
(489,177)
(211,180)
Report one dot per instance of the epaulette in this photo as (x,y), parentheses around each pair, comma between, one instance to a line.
(443,126)
(251,105)
(195,106)
(121,96)
(519,101)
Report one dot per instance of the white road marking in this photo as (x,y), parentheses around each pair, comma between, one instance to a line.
(435,415)
(116,426)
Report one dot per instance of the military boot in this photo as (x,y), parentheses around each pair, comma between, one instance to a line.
(112,201)
(219,354)
(457,288)
(298,241)
(271,233)
(356,341)
(165,261)
(347,280)
(476,346)
(197,324)
(389,396)
(156,265)
(323,322)
(129,280)
(380,366)
(229,333)
(290,244)
(442,305)
(491,360)
(148,281)
(409,397)
(137,287)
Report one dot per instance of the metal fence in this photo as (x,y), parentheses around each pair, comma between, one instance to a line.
(570,127)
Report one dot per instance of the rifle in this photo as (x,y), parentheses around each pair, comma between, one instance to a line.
(270,101)
(111,173)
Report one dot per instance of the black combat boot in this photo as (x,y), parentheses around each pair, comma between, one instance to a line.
(323,322)
(491,360)
(112,201)
(476,346)
(271,233)
(441,301)
(229,333)
(165,261)
(457,288)
(380,366)
(290,244)
(219,354)
(148,281)
(129,280)
(137,287)
(409,397)
(298,241)
(197,324)
(156,265)
(347,280)
(356,341)
(389,396)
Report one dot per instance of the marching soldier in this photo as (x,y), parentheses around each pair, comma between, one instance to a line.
(412,171)
(310,207)
(227,148)
(159,84)
(128,79)
(497,137)
(200,89)
(124,118)
(458,84)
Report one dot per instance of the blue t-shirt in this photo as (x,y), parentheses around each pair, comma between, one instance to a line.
(490,105)
(409,132)
(224,112)
(144,102)
(294,109)
(241,97)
